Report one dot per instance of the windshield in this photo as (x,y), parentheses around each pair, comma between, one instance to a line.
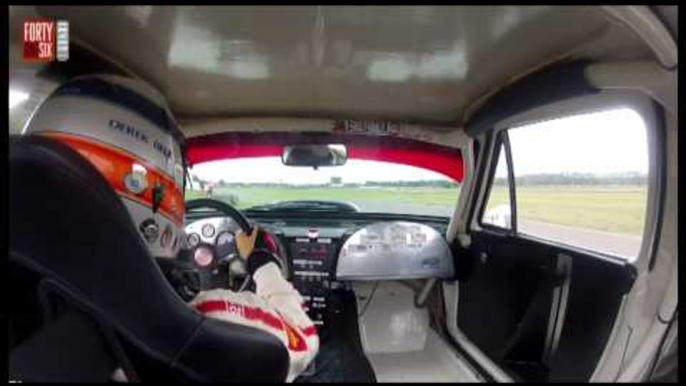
(265,184)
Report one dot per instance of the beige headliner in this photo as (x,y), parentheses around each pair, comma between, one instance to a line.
(418,64)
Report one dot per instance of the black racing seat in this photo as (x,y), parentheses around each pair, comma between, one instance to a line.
(71,233)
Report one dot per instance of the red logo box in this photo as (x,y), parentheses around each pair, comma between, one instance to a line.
(39,40)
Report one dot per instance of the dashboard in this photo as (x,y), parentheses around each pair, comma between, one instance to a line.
(323,254)
(214,231)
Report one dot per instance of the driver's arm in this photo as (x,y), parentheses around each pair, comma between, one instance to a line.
(275,307)
(301,334)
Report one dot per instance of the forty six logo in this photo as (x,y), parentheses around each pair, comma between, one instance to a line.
(46,40)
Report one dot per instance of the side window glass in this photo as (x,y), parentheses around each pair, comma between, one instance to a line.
(583,180)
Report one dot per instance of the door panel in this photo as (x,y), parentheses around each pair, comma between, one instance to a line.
(597,288)
(505,305)
(542,301)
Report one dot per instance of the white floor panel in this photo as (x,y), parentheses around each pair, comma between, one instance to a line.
(436,363)
(398,341)
(391,322)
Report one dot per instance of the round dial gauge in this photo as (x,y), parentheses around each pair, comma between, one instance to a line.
(225,238)
(208,230)
(193,240)
(203,256)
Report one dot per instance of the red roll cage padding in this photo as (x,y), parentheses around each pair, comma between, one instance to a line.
(441,159)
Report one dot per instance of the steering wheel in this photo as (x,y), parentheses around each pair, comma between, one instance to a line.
(223,207)
(219,262)
(210,252)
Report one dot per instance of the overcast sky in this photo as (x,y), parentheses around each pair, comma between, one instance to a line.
(607,142)
(270,169)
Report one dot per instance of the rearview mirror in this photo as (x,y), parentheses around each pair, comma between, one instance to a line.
(314,155)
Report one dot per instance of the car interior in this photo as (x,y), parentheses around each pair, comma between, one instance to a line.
(403,284)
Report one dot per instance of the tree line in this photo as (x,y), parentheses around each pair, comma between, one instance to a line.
(542,179)
(591,179)
(202,183)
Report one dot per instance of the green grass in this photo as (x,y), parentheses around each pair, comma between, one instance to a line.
(193,194)
(618,210)
(248,197)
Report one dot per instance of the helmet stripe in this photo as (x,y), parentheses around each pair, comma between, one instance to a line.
(115,164)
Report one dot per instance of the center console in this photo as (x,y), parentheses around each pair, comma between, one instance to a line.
(312,260)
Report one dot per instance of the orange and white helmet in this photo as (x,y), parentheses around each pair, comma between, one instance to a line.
(124,127)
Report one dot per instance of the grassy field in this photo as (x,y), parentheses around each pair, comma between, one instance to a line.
(617,210)
(420,196)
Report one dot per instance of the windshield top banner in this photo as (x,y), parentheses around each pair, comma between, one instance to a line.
(441,159)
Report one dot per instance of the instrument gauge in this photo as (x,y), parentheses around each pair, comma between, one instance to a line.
(193,240)
(225,238)
(208,230)
(203,256)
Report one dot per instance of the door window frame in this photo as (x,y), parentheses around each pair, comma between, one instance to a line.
(502,143)
(603,101)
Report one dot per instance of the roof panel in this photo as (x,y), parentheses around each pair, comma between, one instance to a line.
(410,63)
